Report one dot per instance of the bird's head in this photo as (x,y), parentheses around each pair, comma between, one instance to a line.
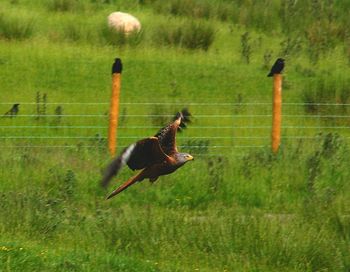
(280,60)
(15,105)
(182,158)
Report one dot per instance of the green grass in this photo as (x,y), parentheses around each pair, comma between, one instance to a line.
(16,27)
(234,208)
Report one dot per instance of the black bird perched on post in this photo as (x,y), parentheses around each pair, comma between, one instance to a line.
(277,67)
(12,112)
(156,156)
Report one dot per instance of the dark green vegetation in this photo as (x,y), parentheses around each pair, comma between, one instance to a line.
(237,207)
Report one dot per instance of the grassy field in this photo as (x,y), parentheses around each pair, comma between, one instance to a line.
(237,207)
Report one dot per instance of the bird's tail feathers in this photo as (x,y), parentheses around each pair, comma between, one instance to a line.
(115,166)
(124,186)
(7,114)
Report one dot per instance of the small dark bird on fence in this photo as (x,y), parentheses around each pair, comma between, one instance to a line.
(277,67)
(156,156)
(13,111)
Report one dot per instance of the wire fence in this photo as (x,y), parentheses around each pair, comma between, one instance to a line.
(216,128)
(181,103)
(171,115)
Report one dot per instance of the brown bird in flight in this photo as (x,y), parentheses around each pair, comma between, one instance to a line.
(156,156)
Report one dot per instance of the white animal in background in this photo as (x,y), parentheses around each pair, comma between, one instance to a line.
(124,22)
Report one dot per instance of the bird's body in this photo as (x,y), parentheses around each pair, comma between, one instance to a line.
(156,156)
(13,111)
(277,67)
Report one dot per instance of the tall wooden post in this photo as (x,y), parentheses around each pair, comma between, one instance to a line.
(276,112)
(114,107)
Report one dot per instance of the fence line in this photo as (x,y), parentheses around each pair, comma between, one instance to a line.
(77,147)
(181,103)
(136,137)
(80,127)
(63,115)
(192,127)
(94,146)
(223,131)
(131,137)
(196,116)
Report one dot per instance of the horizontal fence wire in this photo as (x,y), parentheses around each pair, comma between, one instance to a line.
(135,137)
(218,143)
(181,103)
(193,127)
(96,147)
(123,146)
(171,115)
(99,147)
(46,127)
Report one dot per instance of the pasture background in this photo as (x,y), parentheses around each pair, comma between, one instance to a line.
(237,207)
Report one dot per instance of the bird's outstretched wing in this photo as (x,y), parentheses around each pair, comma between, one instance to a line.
(167,135)
(137,156)
(146,152)
(186,118)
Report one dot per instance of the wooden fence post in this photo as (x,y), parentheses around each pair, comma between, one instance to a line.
(114,107)
(276,112)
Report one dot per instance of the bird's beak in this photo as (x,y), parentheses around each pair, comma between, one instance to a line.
(190,158)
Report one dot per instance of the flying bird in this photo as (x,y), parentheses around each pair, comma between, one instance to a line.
(277,67)
(156,156)
(12,112)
